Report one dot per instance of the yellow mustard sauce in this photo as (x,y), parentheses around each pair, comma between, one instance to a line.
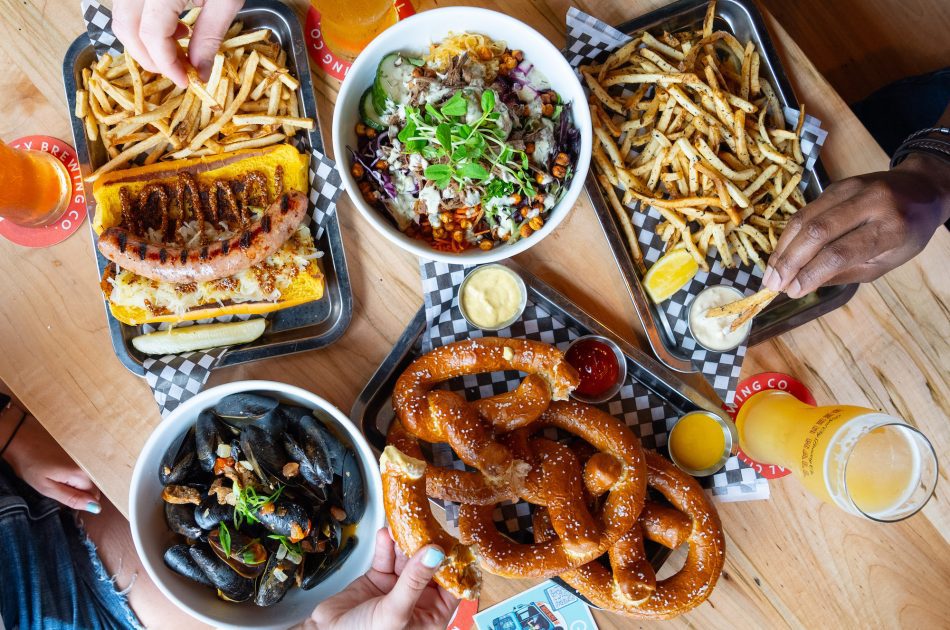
(491,296)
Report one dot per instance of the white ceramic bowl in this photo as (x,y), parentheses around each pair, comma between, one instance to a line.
(414,35)
(152,536)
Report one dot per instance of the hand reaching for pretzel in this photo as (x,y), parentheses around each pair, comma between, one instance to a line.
(588,494)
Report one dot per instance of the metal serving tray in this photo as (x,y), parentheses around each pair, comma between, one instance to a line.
(742,19)
(373,411)
(305,327)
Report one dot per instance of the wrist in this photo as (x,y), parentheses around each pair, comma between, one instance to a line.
(11,424)
(936,172)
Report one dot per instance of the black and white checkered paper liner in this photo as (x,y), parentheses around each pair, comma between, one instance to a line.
(176,378)
(590,40)
(642,410)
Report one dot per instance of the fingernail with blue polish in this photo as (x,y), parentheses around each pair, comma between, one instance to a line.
(93,507)
(433,557)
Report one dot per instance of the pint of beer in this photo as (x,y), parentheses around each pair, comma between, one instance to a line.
(868,463)
(34,187)
(349,26)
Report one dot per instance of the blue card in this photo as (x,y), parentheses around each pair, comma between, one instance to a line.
(547,606)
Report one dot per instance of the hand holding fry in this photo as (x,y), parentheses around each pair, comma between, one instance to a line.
(862,227)
(149,30)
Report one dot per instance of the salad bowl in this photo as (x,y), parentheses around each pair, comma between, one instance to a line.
(412,38)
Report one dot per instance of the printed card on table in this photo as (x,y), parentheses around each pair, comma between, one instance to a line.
(547,606)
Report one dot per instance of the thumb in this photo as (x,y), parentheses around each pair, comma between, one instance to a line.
(69,496)
(415,576)
(209,30)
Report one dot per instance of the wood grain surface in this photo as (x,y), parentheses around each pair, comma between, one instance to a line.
(792,562)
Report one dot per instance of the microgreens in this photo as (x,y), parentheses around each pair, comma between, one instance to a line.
(225,537)
(290,546)
(462,149)
(248,501)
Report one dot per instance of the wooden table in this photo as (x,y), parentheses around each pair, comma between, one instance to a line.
(791,561)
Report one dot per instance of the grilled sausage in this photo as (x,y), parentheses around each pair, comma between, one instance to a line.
(218,259)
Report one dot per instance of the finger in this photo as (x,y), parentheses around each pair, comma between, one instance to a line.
(157,32)
(72,497)
(213,22)
(833,196)
(398,604)
(384,560)
(76,477)
(126,20)
(812,234)
(853,249)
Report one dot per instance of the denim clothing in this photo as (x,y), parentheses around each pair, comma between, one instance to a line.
(50,574)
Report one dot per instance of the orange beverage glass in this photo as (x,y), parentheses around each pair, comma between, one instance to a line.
(34,187)
(865,462)
(349,26)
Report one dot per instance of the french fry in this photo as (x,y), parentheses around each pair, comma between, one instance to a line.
(626,225)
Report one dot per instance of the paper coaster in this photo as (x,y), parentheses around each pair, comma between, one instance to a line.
(75,212)
(321,54)
(547,605)
(760,383)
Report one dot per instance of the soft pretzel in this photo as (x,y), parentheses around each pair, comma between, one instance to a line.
(619,512)
(677,594)
(517,408)
(474,356)
(410,517)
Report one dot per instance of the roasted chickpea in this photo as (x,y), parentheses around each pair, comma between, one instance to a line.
(536,223)
(559,171)
(517,54)
(515,199)
(458,236)
(357,170)
(485,245)
(525,230)
(360,129)
(563,159)
(370,132)
(547,109)
(529,148)
(438,232)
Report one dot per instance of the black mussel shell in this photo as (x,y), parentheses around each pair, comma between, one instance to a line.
(238,409)
(335,449)
(210,513)
(284,518)
(209,432)
(232,586)
(248,555)
(315,473)
(267,457)
(292,412)
(271,590)
(320,467)
(179,464)
(354,501)
(181,520)
(180,561)
(317,566)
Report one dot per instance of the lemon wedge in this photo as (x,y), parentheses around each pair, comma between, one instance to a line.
(669,274)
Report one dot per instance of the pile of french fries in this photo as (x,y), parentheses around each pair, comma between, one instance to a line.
(684,124)
(250,100)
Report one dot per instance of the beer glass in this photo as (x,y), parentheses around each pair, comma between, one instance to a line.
(34,187)
(868,463)
(349,26)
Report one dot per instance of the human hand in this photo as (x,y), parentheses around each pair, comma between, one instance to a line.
(38,460)
(149,30)
(862,227)
(396,593)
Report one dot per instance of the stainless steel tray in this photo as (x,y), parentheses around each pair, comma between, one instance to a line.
(305,327)
(742,19)
(373,411)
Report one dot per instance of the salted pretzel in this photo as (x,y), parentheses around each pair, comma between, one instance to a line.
(630,586)
(555,481)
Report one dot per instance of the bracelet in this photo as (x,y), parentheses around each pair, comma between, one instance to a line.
(923,132)
(13,435)
(934,146)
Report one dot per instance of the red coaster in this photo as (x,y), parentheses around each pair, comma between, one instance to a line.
(464,617)
(75,212)
(760,383)
(321,54)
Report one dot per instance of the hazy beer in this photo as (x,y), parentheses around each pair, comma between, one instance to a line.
(34,187)
(348,26)
(865,462)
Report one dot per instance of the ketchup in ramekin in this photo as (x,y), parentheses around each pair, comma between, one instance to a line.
(599,368)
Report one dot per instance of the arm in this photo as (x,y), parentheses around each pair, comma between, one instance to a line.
(864,226)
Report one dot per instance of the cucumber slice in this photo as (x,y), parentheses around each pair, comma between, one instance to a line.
(368,111)
(391,77)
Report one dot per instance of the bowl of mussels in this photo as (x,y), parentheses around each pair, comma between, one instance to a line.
(254,501)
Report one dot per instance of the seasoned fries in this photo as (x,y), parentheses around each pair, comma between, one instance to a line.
(249,100)
(745,309)
(703,141)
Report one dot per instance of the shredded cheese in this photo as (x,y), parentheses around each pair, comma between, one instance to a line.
(477,46)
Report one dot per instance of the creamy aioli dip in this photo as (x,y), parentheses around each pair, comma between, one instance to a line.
(713,332)
(491,296)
